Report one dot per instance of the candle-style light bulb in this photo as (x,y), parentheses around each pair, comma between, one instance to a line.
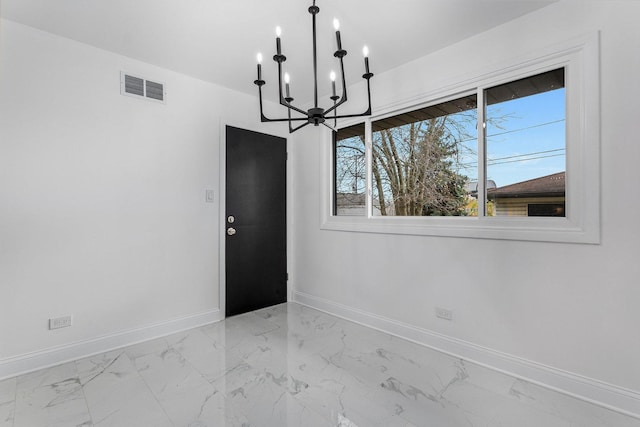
(259,59)
(365,52)
(332,77)
(278,46)
(336,25)
(287,79)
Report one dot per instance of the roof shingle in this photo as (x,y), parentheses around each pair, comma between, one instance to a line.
(546,186)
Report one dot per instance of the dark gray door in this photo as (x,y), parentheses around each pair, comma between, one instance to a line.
(256,222)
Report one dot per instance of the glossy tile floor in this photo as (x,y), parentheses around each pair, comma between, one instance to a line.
(285,366)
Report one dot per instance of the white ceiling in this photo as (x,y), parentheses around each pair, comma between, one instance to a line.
(217,40)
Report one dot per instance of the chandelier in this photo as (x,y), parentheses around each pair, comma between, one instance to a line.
(315,115)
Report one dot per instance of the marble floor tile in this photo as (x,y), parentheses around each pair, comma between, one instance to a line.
(8,390)
(286,366)
(577,412)
(186,396)
(206,355)
(146,348)
(116,393)
(264,400)
(7,402)
(51,398)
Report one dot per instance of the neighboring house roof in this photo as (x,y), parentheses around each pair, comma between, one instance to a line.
(354,200)
(546,186)
(350,199)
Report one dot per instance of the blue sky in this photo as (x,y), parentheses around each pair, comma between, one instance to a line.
(529,141)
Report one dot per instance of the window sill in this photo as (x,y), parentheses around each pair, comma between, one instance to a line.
(524,229)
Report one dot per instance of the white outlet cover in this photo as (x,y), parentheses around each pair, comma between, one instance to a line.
(209,196)
(444,313)
(60,322)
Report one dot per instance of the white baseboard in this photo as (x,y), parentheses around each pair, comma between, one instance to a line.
(594,391)
(17,365)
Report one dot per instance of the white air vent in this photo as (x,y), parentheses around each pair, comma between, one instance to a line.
(139,87)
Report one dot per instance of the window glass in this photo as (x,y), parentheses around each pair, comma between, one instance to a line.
(350,171)
(526,147)
(424,162)
(545,209)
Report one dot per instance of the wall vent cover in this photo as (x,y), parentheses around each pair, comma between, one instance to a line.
(139,87)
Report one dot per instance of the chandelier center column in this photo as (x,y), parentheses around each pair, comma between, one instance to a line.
(314,10)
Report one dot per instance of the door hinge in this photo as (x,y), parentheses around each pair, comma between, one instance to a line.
(287,276)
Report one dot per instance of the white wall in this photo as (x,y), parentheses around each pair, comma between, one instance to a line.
(571,307)
(102,198)
(102,211)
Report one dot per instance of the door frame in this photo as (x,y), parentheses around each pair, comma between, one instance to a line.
(222,212)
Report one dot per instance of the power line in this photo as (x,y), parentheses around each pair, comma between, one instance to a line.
(525,160)
(526,156)
(516,130)
(526,128)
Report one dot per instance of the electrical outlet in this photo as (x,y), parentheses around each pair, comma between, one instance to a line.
(209,196)
(444,313)
(60,322)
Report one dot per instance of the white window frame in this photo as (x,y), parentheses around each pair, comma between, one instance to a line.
(580,58)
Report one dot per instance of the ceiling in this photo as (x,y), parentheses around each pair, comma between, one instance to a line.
(217,40)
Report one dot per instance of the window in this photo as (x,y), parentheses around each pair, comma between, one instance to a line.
(529,171)
(424,160)
(525,144)
(349,171)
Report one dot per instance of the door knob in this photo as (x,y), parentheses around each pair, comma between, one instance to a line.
(231,219)
(231,231)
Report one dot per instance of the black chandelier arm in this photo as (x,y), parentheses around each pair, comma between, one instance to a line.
(368,111)
(291,128)
(284,103)
(264,118)
(260,83)
(332,128)
(340,54)
(335,98)
(283,100)
(347,116)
